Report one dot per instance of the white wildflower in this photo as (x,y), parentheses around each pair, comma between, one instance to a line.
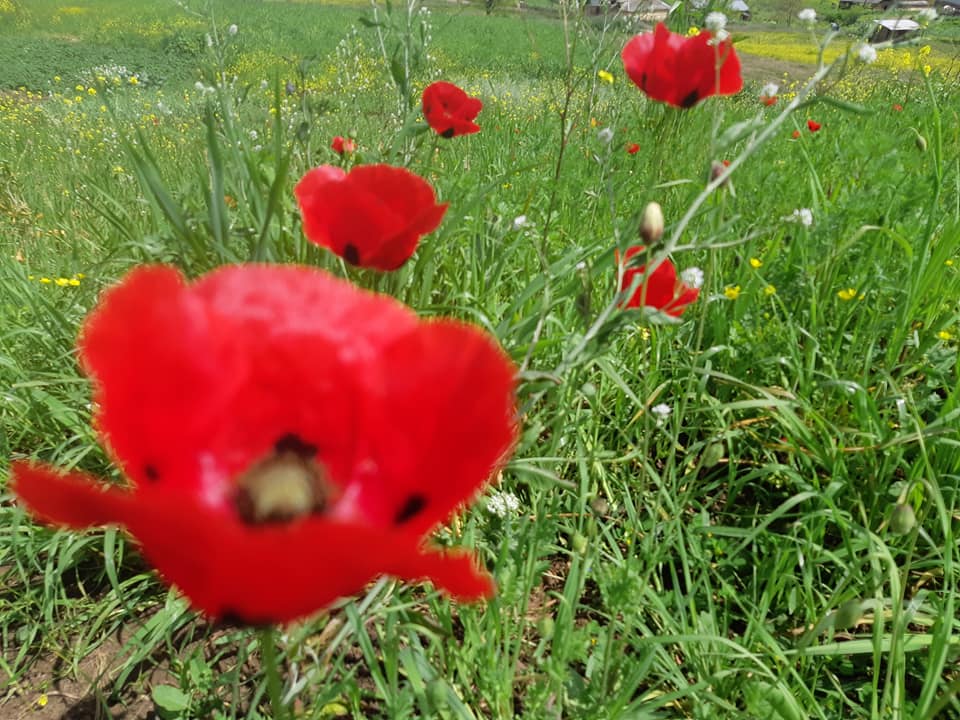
(808,15)
(661,411)
(692,277)
(520,221)
(605,135)
(502,504)
(232,29)
(254,135)
(867,54)
(769,90)
(715,22)
(803,216)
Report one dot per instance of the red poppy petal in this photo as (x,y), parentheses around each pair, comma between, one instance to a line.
(73,500)
(256,574)
(455,573)
(434,440)
(681,71)
(195,383)
(154,352)
(449,110)
(373,217)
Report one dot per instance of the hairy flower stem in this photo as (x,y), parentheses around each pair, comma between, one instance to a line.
(268,653)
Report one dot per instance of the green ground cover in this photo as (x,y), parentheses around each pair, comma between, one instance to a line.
(734,557)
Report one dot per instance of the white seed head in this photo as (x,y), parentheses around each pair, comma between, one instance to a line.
(769,90)
(867,54)
(605,135)
(808,15)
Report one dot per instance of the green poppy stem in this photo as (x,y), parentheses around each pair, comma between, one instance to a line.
(268,654)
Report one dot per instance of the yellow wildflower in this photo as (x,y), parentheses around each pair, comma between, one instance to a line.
(927,70)
(91,91)
(134,80)
(693,31)
(756,263)
(605,76)
(79,88)
(62,282)
(46,280)
(73,282)
(847,294)
(949,263)
(944,335)
(732,292)
(770,290)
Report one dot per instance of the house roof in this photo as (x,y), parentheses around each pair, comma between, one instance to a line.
(901,24)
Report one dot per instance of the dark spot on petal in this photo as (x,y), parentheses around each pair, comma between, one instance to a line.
(691,99)
(292,443)
(229,616)
(448,133)
(411,508)
(643,81)
(151,472)
(351,254)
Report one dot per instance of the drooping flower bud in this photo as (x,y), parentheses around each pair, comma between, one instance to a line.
(651,224)
(903,519)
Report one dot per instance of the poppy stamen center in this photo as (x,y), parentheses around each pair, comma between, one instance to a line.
(283,486)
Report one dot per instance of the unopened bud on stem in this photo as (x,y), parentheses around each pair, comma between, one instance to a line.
(651,224)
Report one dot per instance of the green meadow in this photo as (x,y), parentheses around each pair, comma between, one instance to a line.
(749,511)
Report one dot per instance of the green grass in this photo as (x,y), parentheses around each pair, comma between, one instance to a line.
(690,566)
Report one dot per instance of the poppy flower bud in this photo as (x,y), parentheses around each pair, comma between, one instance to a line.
(579,543)
(921,142)
(903,519)
(651,224)
(712,455)
(848,615)
(717,168)
(546,627)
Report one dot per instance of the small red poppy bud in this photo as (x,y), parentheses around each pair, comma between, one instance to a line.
(633,149)
(341,145)
(813,125)
(795,134)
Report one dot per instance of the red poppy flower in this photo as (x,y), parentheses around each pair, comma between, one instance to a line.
(898,107)
(633,149)
(287,436)
(372,216)
(768,101)
(813,125)
(662,289)
(795,134)
(449,110)
(679,70)
(341,145)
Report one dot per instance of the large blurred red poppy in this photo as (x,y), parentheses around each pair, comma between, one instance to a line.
(681,70)
(449,110)
(662,289)
(287,437)
(372,216)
